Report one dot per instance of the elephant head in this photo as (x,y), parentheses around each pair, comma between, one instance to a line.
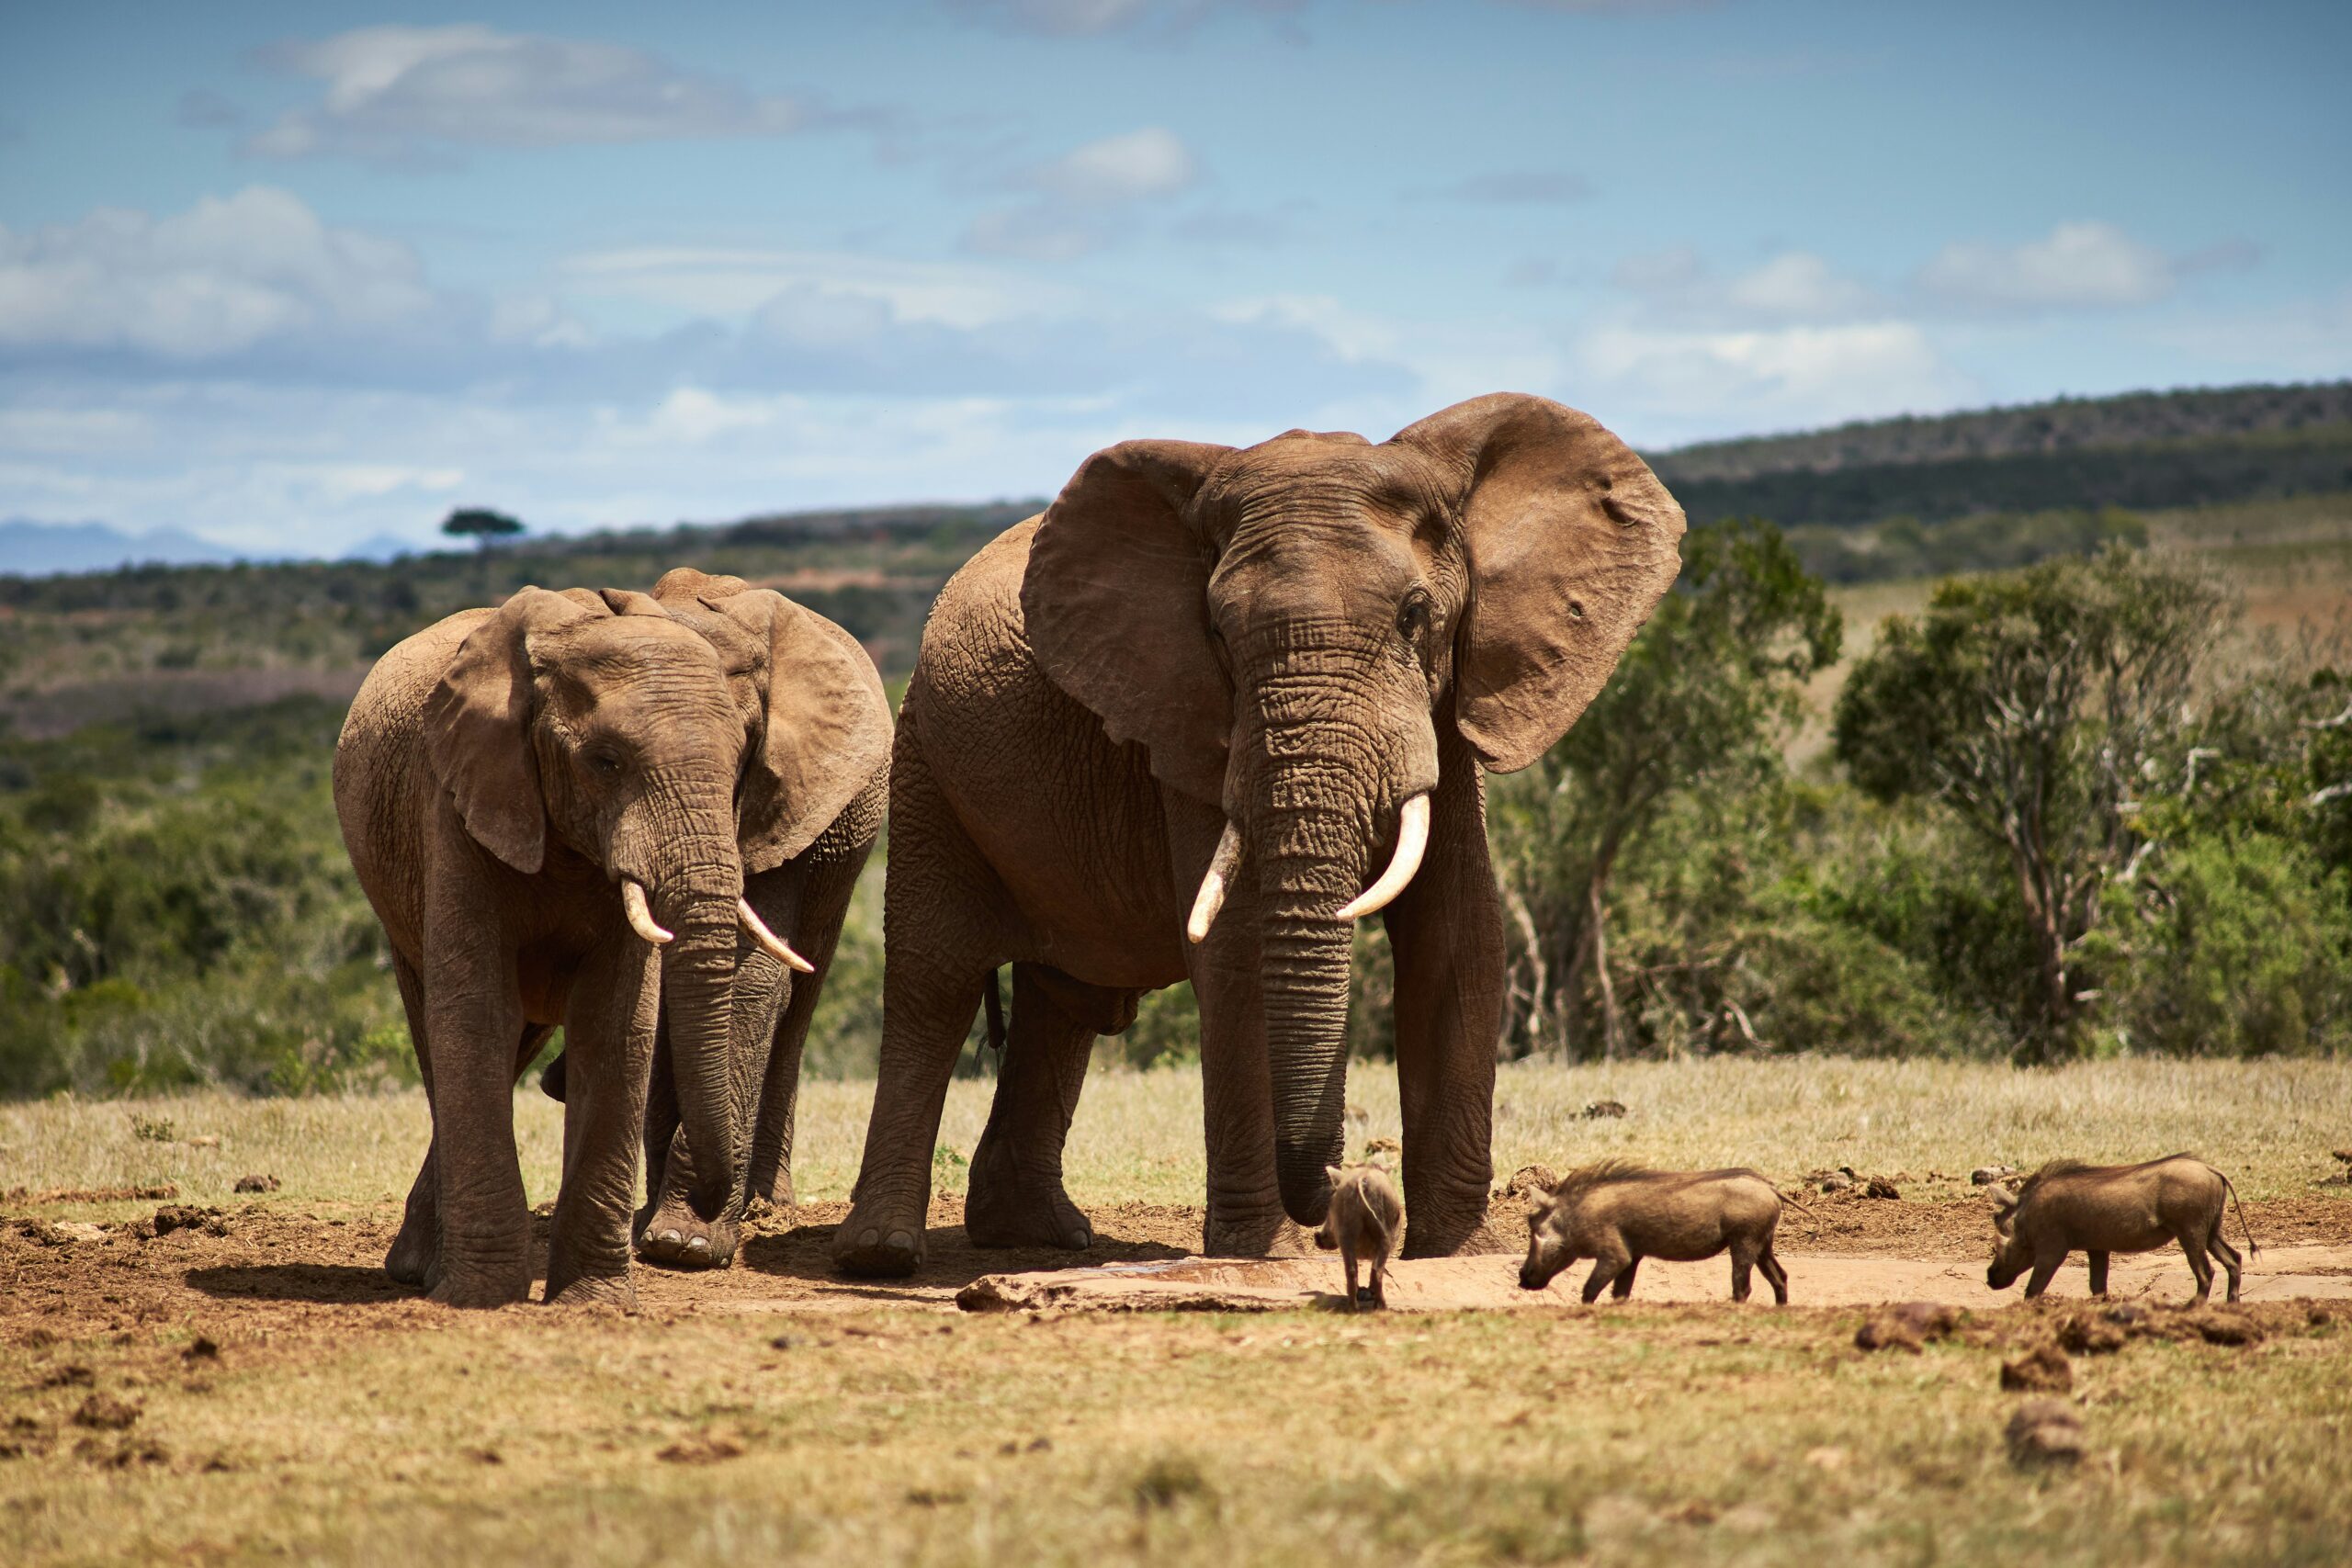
(669,743)
(1283,627)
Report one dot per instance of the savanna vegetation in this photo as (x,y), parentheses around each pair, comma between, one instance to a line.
(2042,783)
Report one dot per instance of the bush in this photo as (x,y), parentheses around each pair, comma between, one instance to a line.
(2247,951)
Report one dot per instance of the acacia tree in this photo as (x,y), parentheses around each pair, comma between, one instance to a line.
(481,525)
(2035,706)
(1701,701)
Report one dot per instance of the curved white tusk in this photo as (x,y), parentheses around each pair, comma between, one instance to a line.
(1412,837)
(640,919)
(777,948)
(1211,897)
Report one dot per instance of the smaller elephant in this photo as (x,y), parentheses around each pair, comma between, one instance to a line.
(554,809)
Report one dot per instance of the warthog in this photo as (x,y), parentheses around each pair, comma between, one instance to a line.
(2112,1208)
(1618,1214)
(1365,1217)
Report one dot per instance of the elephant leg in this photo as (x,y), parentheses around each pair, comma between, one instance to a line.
(1015,1197)
(824,906)
(473,1020)
(1446,932)
(415,1252)
(608,1035)
(1246,1218)
(937,930)
(667,1228)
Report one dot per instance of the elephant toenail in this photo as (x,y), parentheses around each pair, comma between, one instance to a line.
(1081,1239)
(699,1244)
(904,1240)
(869,1237)
(671,1238)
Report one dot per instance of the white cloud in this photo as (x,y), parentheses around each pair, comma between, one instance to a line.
(1684,382)
(1093,18)
(227,274)
(1798,286)
(399,94)
(1795,286)
(2076,266)
(1080,192)
(1137,165)
(733,282)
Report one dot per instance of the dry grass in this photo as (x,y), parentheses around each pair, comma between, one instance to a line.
(727,1430)
(1137,1137)
(1636,1436)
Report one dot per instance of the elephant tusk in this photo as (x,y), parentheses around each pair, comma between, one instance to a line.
(1211,897)
(1412,837)
(640,919)
(777,948)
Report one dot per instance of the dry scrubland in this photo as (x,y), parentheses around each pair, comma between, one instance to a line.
(393,1432)
(1137,1136)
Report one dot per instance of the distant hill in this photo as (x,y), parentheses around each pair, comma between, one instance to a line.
(38,549)
(2143,450)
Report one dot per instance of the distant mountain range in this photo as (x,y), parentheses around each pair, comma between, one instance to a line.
(43,549)
(2144,451)
(39,550)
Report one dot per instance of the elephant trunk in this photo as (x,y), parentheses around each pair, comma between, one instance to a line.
(1319,802)
(697,894)
(1309,865)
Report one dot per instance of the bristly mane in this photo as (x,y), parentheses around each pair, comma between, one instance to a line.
(1584,1178)
(2057,1167)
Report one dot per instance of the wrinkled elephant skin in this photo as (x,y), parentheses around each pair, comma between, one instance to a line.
(1248,694)
(555,807)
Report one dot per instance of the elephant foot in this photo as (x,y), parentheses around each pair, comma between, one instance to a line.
(1464,1234)
(675,1235)
(1005,1208)
(879,1240)
(467,1289)
(411,1259)
(1255,1235)
(596,1290)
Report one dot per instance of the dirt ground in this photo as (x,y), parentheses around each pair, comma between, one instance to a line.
(266,1266)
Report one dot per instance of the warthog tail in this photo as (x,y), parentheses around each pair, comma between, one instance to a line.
(2251,1245)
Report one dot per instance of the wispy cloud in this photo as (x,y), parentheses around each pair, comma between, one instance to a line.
(1083,195)
(401,95)
(2079,265)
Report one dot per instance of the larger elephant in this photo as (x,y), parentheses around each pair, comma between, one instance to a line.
(553,807)
(1173,727)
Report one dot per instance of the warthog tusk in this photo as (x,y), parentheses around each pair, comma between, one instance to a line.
(1412,837)
(1211,897)
(640,919)
(777,948)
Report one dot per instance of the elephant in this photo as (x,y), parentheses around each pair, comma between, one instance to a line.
(556,809)
(1169,728)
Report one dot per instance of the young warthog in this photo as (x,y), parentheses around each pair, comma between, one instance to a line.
(1618,1214)
(1363,1223)
(2112,1208)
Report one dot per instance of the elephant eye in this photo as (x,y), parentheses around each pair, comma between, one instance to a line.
(1413,617)
(605,759)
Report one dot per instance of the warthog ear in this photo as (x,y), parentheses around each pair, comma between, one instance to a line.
(1334,1172)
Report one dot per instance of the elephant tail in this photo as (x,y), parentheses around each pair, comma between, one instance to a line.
(992,997)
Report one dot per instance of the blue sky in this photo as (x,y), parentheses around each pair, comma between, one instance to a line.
(294,275)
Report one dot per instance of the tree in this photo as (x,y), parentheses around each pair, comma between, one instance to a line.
(1701,701)
(2036,707)
(481,525)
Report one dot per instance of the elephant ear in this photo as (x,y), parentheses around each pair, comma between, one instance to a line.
(1115,601)
(1572,543)
(478,725)
(825,732)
